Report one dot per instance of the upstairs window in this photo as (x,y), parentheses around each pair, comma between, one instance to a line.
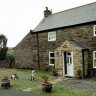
(51,58)
(94,59)
(94,30)
(52,36)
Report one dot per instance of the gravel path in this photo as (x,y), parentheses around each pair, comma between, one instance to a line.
(70,84)
(10,92)
(79,85)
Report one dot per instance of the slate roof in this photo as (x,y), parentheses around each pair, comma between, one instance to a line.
(74,16)
(79,44)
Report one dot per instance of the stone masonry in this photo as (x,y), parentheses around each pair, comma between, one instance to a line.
(30,51)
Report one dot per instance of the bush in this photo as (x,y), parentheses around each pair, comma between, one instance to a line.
(3,52)
(10,57)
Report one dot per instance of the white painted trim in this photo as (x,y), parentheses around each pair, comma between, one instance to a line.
(94,30)
(51,58)
(52,39)
(63,63)
(94,58)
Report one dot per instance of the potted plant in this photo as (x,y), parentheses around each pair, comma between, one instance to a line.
(79,74)
(5,82)
(54,72)
(46,85)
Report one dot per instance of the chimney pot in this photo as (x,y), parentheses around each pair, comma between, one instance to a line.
(47,12)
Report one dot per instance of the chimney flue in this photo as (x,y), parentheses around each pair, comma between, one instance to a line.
(47,12)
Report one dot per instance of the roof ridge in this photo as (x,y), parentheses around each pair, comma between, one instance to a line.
(73,8)
(74,16)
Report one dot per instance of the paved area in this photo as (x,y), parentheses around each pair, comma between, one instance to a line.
(56,80)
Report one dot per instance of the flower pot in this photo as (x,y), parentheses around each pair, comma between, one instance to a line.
(78,77)
(5,84)
(47,87)
(54,73)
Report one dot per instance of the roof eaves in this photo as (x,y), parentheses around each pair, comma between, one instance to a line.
(46,30)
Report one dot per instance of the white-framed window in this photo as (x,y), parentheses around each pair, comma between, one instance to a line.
(94,30)
(52,36)
(51,58)
(69,58)
(94,59)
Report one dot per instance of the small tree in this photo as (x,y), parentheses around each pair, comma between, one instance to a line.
(3,47)
(10,58)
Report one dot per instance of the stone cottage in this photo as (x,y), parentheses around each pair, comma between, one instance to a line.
(65,40)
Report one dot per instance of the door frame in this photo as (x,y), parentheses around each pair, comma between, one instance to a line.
(64,63)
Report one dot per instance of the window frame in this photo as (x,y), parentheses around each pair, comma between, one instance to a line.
(53,37)
(94,58)
(94,30)
(51,58)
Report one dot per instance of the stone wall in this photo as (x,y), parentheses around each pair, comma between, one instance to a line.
(27,50)
(23,53)
(82,33)
(4,64)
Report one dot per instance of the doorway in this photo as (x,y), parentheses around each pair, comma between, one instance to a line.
(68,69)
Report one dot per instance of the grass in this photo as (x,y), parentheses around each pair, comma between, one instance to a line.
(24,80)
(24,83)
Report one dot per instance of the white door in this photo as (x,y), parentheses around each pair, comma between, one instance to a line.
(68,64)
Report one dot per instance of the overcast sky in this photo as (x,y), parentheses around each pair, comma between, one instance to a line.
(17,17)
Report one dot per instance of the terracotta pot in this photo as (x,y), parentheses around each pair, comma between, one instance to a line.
(47,87)
(78,77)
(5,83)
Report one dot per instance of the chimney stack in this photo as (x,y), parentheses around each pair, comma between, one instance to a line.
(47,12)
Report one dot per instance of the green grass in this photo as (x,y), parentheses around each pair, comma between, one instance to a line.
(24,82)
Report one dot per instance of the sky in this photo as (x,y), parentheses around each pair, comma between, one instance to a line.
(18,17)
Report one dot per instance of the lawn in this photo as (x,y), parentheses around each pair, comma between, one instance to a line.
(63,88)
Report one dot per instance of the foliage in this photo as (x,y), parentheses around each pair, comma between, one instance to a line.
(54,72)
(79,72)
(3,41)
(45,79)
(3,47)
(10,57)
(3,52)
(11,52)
(5,77)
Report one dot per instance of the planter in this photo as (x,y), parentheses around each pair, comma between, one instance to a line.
(79,74)
(78,77)
(47,87)
(5,84)
(54,73)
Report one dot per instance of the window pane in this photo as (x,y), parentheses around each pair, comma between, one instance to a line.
(94,62)
(52,33)
(94,54)
(52,36)
(95,32)
(51,61)
(70,60)
(94,27)
(51,54)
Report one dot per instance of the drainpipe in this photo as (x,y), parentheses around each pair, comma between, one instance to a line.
(37,47)
(38,50)
(83,63)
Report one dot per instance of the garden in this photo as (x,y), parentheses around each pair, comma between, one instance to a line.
(60,86)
